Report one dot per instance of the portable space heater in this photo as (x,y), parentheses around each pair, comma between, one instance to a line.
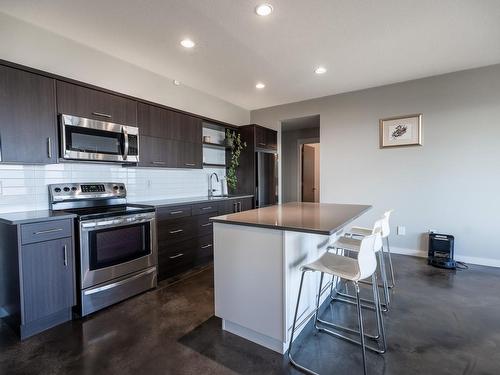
(441,251)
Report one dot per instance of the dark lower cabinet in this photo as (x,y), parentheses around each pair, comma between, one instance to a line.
(38,269)
(48,286)
(28,120)
(185,233)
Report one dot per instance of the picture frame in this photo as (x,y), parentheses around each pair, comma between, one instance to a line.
(401,131)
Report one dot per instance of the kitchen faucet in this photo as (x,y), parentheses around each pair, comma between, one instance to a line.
(210,186)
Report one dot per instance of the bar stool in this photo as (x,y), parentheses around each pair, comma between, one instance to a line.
(353,245)
(386,231)
(350,270)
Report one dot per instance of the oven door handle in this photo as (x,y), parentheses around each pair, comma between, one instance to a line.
(118,283)
(91,228)
(125,142)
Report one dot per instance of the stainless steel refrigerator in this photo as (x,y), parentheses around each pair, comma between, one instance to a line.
(266,190)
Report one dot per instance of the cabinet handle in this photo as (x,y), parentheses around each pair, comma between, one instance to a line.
(176,231)
(206,246)
(190,164)
(176,256)
(48,231)
(65,255)
(235,207)
(239,206)
(49,147)
(207,208)
(206,225)
(176,212)
(101,114)
(159,162)
(261,144)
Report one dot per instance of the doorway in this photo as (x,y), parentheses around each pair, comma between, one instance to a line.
(300,172)
(310,172)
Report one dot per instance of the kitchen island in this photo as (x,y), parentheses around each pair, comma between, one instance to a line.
(257,256)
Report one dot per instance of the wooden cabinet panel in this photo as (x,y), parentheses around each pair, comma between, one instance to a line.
(266,138)
(227,207)
(163,123)
(173,260)
(48,280)
(204,250)
(28,120)
(45,231)
(190,156)
(246,204)
(158,152)
(172,231)
(172,212)
(89,103)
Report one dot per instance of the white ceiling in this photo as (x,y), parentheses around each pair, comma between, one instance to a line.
(362,43)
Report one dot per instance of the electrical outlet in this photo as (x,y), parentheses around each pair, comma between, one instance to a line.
(401,230)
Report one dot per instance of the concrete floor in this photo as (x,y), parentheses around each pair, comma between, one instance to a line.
(441,322)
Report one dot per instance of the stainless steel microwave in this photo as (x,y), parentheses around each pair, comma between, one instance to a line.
(93,140)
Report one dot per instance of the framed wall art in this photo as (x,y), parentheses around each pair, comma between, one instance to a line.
(401,131)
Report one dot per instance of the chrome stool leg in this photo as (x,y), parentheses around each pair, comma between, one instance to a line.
(379,320)
(361,331)
(391,268)
(292,361)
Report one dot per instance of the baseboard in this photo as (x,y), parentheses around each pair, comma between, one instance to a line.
(410,252)
(461,258)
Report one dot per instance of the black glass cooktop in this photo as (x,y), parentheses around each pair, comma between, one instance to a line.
(108,211)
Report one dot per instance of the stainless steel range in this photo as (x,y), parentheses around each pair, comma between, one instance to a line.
(116,241)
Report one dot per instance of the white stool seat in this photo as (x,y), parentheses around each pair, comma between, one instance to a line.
(360,231)
(353,244)
(336,265)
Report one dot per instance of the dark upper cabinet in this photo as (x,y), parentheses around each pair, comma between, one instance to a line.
(167,153)
(28,120)
(190,156)
(158,152)
(48,279)
(266,138)
(94,104)
(163,123)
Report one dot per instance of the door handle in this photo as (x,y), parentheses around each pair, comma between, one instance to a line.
(206,225)
(239,206)
(159,162)
(235,207)
(207,208)
(65,255)
(176,231)
(176,256)
(125,142)
(206,246)
(101,114)
(49,147)
(190,164)
(48,231)
(262,144)
(176,212)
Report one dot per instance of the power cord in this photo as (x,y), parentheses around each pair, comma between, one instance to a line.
(461,266)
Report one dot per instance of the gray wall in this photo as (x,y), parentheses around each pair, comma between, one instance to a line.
(450,184)
(290,160)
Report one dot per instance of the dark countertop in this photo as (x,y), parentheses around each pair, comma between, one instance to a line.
(13,218)
(319,218)
(190,200)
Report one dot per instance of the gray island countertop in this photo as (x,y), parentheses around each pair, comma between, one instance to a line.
(319,218)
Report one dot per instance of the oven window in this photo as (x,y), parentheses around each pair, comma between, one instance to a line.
(93,140)
(117,245)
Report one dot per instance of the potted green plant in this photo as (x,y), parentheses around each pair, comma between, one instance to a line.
(236,145)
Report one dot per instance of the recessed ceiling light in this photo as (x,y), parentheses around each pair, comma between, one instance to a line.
(187,43)
(264,9)
(320,70)
(177,82)
(260,85)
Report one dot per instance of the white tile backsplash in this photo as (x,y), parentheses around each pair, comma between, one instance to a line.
(24,187)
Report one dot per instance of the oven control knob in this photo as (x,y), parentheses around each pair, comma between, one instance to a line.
(121,187)
(66,188)
(57,190)
(115,187)
(74,188)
